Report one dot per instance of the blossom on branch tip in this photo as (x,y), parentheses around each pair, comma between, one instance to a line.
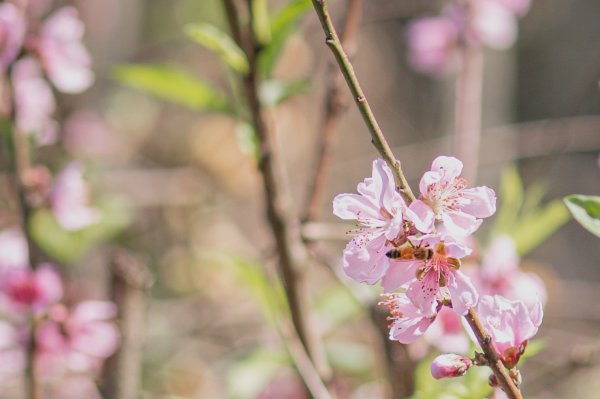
(450,365)
(432,43)
(78,340)
(36,289)
(70,199)
(378,211)
(439,277)
(500,274)
(12,33)
(34,101)
(445,200)
(407,322)
(510,324)
(65,59)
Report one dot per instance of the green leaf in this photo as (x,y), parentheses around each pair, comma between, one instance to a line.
(247,139)
(260,21)
(172,84)
(533,228)
(69,246)
(511,198)
(283,25)
(273,92)
(214,39)
(586,210)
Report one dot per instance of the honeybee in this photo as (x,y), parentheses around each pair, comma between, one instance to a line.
(410,253)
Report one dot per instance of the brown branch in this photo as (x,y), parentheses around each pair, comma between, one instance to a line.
(20,164)
(285,226)
(400,367)
(335,106)
(491,356)
(377,138)
(131,280)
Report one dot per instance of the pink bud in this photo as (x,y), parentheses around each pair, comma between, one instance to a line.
(450,365)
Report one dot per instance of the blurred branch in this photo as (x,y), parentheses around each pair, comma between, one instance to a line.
(467,110)
(400,367)
(335,106)
(131,280)
(377,138)
(21,164)
(284,224)
(580,357)
(493,360)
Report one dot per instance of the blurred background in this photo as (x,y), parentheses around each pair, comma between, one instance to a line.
(182,187)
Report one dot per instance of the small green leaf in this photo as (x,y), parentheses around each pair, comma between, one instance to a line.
(273,92)
(533,228)
(586,210)
(283,25)
(511,198)
(247,139)
(214,39)
(260,21)
(533,348)
(172,84)
(70,246)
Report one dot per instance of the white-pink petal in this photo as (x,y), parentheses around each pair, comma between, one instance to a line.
(462,291)
(449,168)
(399,273)
(421,215)
(481,201)
(366,262)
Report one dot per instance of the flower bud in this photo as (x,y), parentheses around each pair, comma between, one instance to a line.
(450,365)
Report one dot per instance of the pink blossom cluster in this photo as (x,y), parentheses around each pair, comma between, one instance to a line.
(435,42)
(417,251)
(71,343)
(29,50)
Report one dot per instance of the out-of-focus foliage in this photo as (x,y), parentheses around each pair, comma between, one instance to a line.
(522,215)
(70,246)
(220,42)
(586,210)
(283,24)
(172,84)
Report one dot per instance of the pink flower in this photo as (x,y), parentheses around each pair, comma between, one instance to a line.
(12,33)
(449,365)
(445,199)
(13,250)
(447,333)
(407,321)
(64,57)
(35,289)
(377,210)
(500,275)
(79,340)
(70,199)
(433,44)
(12,354)
(493,24)
(34,101)
(510,324)
(434,279)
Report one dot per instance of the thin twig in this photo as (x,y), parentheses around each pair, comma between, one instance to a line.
(467,110)
(21,163)
(131,280)
(493,360)
(334,109)
(285,226)
(380,143)
(377,138)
